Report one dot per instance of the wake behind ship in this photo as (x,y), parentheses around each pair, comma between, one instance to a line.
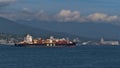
(51,42)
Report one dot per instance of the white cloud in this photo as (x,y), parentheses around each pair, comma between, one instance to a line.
(62,16)
(102,17)
(42,15)
(68,15)
(27,10)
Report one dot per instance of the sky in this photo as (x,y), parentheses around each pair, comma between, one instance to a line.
(84,6)
(61,10)
(107,6)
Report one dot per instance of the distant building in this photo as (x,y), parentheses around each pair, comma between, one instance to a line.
(2,41)
(103,42)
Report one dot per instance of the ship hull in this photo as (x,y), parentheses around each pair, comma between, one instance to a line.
(45,45)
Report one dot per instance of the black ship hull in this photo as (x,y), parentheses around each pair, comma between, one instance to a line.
(45,45)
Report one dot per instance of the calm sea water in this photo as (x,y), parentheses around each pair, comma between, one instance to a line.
(64,57)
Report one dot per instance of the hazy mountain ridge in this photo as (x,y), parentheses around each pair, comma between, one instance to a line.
(59,29)
(8,26)
(89,30)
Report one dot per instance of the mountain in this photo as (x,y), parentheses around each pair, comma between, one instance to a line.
(89,30)
(8,26)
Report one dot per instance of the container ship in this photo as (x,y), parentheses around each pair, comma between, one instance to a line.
(51,42)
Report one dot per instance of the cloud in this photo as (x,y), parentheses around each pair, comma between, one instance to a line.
(68,15)
(6,2)
(10,16)
(102,17)
(62,16)
(27,11)
(42,15)
(26,14)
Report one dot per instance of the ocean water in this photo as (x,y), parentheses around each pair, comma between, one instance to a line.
(56,57)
